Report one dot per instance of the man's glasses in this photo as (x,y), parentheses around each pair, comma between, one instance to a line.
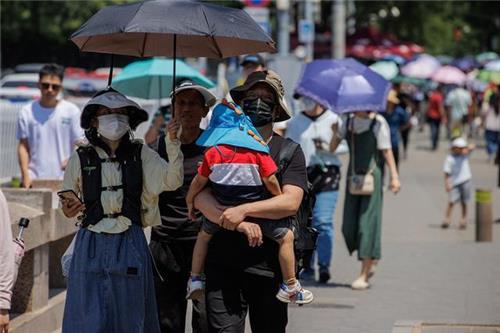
(47,86)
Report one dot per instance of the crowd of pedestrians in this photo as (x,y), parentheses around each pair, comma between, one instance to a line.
(221,201)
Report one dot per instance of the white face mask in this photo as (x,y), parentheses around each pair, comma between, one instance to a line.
(113,126)
(307,103)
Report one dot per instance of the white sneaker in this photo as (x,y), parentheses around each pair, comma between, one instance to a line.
(360,284)
(195,288)
(297,294)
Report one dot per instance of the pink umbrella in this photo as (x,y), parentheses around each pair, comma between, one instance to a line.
(449,75)
(422,68)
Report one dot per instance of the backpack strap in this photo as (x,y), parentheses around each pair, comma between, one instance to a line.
(162,147)
(287,150)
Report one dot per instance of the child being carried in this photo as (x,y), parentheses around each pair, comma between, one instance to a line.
(239,169)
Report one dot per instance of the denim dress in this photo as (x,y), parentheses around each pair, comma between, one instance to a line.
(110,284)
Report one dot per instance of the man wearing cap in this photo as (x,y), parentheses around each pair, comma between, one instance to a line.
(251,63)
(110,280)
(240,278)
(173,241)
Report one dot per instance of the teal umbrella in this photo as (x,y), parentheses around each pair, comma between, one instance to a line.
(388,69)
(486,56)
(152,79)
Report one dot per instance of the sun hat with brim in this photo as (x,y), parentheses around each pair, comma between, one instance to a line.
(230,126)
(113,99)
(459,143)
(273,80)
(208,96)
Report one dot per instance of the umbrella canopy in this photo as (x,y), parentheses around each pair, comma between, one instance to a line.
(388,69)
(466,64)
(493,66)
(489,76)
(422,68)
(397,59)
(449,75)
(484,57)
(150,28)
(343,85)
(152,79)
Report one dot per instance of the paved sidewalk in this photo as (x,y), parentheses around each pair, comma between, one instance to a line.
(426,274)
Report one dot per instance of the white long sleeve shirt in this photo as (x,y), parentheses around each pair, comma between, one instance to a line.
(158,176)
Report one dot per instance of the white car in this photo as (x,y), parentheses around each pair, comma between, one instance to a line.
(19,88)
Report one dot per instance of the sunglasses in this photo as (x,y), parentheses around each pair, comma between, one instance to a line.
(47,86)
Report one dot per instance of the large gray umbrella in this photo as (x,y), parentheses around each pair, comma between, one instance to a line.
(172,28)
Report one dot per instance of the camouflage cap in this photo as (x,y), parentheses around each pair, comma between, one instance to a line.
(274,81)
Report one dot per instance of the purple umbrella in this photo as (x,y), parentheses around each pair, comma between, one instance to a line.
(466,64)
(343,86)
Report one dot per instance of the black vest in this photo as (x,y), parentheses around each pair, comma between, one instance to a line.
(131,166)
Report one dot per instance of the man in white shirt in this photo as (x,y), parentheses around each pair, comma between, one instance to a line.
(47,130)
(314,129)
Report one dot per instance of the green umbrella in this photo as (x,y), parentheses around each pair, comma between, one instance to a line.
(489,76)
(388,69)
(152,79)
(413,80)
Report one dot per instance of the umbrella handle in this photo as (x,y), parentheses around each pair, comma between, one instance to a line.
(173,77)
(110,77)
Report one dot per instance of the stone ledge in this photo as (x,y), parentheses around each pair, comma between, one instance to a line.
(46,319)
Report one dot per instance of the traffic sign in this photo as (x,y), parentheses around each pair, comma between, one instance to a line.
(306,31)
(256,3)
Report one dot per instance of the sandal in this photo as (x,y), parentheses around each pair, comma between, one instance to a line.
(445,224)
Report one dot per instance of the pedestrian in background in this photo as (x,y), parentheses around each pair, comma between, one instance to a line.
(250,63)
(491,116)
(435,115)
(172,242)
(8,269)
(457,180)
(158,124)
(314,129)
(458,102)
(47,130)
(398,120)
(110,280)
(369,139)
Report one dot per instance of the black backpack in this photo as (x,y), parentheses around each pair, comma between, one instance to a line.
(305,235)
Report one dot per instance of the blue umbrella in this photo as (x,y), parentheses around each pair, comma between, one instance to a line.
(152,79)
(343,86)
(466,64)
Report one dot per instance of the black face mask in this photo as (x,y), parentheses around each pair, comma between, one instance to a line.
(259,111)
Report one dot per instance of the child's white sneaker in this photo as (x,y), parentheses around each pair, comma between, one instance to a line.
(296,294)
(195,288)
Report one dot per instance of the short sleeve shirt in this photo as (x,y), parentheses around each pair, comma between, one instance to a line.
(236,173)
(51,135)
(360,125)
(458,168)
(230,250)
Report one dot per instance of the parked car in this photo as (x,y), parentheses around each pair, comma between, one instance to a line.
(29,68)
(19,87)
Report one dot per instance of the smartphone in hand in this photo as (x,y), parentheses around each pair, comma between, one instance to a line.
(69,195)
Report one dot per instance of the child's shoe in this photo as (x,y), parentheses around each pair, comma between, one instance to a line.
(295,294)
(196,287)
